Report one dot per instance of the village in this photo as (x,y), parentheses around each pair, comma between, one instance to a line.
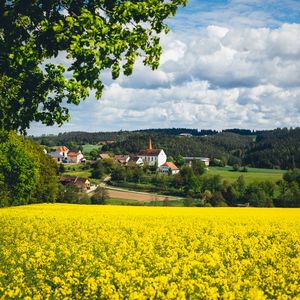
(153,158)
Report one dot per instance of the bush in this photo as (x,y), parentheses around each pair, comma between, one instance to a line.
(235,167)
(100,196)
(27,175)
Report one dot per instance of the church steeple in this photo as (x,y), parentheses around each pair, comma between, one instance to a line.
(149,144)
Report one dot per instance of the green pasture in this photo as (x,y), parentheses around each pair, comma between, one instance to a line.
(253,174)
(75,170)
(87,148)
(79,173)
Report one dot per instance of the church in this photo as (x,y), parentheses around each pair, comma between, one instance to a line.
(152,156)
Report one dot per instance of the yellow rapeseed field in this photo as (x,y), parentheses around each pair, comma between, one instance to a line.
(116,252)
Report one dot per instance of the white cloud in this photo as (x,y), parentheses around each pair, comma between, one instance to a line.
(217,76)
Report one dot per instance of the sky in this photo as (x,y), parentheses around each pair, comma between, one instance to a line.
(226,64)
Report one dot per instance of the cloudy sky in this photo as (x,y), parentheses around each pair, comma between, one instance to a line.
(226,64)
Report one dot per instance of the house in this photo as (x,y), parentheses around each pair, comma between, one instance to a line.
(58,157)
(75,157)
(185,135)
(104,156)
(63,154)
(63,151)
(80,183)
(136,161)
(243,204)
(189,160)
(152,156)
(168,168)
(106,142)
(121,159)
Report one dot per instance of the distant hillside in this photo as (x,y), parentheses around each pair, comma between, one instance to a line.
(220,145)
(279,148)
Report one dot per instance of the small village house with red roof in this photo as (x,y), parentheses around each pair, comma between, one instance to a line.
(74,157)
(81,183)
(152,156)
(63,154)
(62,150)
(168,168)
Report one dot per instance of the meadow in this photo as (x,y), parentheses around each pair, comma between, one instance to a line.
(65,251)
(252,175)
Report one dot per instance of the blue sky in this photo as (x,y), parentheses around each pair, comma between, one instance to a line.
(225,64)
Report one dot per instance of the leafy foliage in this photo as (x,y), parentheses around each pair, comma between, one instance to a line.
(93,35)
(100,196)
(27,175)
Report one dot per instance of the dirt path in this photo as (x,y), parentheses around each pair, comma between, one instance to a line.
(143,197)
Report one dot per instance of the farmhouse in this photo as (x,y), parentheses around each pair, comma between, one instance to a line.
(63,154)
(121,159)
(58,157)
(80,183)
(63,151)
(190,159)
(74,157)
(185,135)
(152,156)
(168,168)
(104,156)
(135,161)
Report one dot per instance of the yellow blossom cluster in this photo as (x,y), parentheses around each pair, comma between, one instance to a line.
(64,251)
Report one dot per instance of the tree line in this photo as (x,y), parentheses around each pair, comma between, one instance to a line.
(211,190)
(278,148)
(27,175)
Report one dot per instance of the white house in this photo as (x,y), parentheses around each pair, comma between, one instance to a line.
(74,157)
(136,161)
(168,167)
(153,156)
(63,151)
(189,160)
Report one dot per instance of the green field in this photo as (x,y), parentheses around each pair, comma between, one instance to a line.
(253,174)
(75,170)
(88,148)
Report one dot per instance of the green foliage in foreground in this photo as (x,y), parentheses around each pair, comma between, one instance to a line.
(27,175)
(94,35)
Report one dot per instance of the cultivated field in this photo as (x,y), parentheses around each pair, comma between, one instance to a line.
(111,252)
(138,196)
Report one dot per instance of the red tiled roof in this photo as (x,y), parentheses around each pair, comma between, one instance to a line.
(62,149)
(170,165)
(149,152)
(73,154)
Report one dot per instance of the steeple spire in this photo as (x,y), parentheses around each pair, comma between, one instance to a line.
(150,144)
